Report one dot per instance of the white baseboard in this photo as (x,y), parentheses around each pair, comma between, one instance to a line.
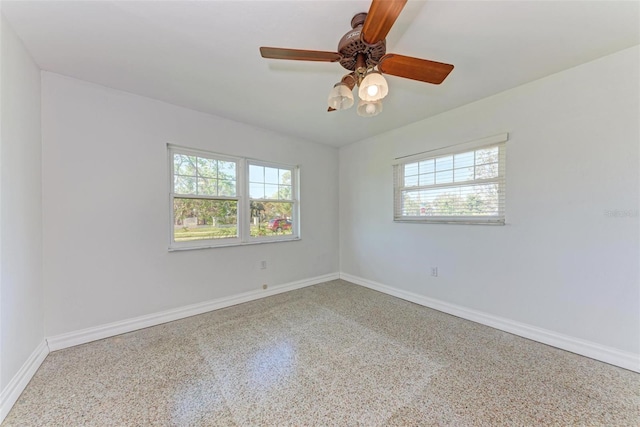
(589,349)
(58,342)
(16,386)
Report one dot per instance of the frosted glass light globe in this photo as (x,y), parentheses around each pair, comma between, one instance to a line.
(369,109)
(373,87)
(340,97)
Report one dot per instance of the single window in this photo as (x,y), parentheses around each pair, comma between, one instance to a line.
(458,185)
(219,200)
(272,201)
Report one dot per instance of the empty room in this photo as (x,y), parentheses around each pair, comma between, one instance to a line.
(320,213)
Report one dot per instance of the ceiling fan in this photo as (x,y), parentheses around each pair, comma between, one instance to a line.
(362,51)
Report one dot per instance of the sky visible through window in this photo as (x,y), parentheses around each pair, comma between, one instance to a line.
(269,183)
(202,176)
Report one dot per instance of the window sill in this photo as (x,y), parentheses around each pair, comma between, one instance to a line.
(230,245)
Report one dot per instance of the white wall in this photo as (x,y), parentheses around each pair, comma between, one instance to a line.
(106,211)
(21,311)
(560,263)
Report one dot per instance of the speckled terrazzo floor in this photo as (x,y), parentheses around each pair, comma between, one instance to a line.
(330,354)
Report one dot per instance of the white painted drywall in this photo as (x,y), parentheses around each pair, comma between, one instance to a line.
(106,213)
(561,263)
(21,309)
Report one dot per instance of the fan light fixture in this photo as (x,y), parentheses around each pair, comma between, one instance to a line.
(369,108)
(373,87)
(363,51)
(340,97)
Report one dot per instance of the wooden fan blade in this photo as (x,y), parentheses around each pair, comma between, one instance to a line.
(299,55)
(380,18)
(330,109)
(422,70)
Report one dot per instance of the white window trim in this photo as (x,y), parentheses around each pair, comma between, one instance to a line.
(295,211)
(398,167)
(242,197)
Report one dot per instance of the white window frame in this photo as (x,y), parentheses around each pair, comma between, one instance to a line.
(295,210)
(242,198)
(489,142)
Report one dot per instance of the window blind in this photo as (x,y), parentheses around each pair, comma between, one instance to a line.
(457,185)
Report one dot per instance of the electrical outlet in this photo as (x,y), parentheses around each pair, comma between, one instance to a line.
(434,271)
(264,286)
(263,265)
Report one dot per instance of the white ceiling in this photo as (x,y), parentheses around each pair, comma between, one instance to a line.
(204,54)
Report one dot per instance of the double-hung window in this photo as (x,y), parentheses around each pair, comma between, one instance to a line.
(458,184)
(221,200)
(271,199)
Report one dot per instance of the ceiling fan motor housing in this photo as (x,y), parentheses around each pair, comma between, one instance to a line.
(351,45)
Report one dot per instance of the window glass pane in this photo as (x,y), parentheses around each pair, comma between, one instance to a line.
(411,169)
(285,176)
(284,192)
(426,179)
(184,184)
(256,173)
(200,175)
(271,218)
(463,160)
(270,191)
(444,177)
(226,188)
(487,171)
(487,155)
(444,163)
(271,175)
(206,186)
(207,168)
(427,166)
(256,191)
(198,219)
(226,170)
(411,181)
(463,174)
(184,165)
